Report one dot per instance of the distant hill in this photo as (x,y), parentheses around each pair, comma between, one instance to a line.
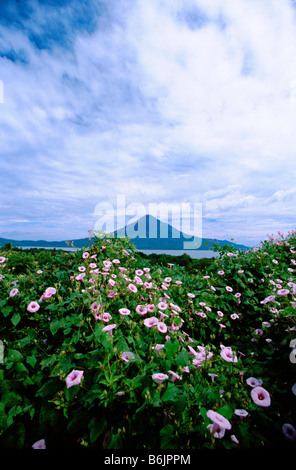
(147,233)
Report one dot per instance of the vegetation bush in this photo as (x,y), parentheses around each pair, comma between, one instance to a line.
(104,348)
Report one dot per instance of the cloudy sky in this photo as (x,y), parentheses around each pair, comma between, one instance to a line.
(155,101)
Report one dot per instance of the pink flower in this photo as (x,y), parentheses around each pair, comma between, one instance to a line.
(81,269)
(174,376)
(227,354)
(109,328)
(241,413)
(148,285)
(105,317)
(39,444)
(124,311)
(283,292)
(217,418)
(150,322)
(139,272)
(85,255)
(160,377)
(229,289)
(234,316)
(221,273)
(49,292)
(127,356)
(2,259)
(234,439)
(192,296)
(260,396)
(74,378)
(95,307)
(13,292)
(254,382)
(132,288)
(33,307)
(162,327)
(216,430)
(141,309)
(289,432)
(162,305)
(39,271)
(158,348)
(80,277)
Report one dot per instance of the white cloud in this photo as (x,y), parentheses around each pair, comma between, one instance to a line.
(169,102)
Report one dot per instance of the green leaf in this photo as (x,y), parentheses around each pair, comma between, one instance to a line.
(15,319)
(31,360)
(55,325)
(14,411)
(14,355)
(20,368)
(96,427)
(166,434)
(171,393)
(172,347)
(6,311)
(182,358)
(49,388)
(115,442)
(225,411)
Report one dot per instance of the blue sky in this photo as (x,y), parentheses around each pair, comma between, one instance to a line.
(162,101)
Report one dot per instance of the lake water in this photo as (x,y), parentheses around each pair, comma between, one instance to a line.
(194,254)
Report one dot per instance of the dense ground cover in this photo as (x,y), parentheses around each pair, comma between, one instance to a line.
(102,348)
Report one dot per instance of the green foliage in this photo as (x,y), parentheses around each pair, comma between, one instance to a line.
(146,385)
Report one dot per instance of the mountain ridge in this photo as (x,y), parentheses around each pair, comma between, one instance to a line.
(149,233)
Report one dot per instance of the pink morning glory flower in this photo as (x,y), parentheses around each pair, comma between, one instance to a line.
(289,432)
(127,356)
(160,377)
(80,277)
(254,382)
(109,328)
(241,413)
(50,291)
(162,327)
(124,311)
(141,309)
(260,396)
(33,307)
(217,418)
(74,378)
(227,354)
(13,292)
(174,376)
(39,444)
(283,292)
(162,305)
(132,288)
(150,322)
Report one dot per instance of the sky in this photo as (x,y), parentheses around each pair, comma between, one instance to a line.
(152,101)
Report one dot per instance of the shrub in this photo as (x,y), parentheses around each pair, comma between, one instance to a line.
(105,349)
